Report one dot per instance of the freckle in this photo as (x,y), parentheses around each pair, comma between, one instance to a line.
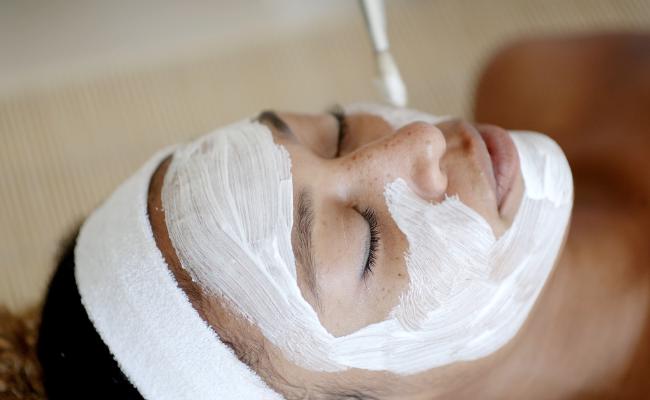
(354,157)
(399,274)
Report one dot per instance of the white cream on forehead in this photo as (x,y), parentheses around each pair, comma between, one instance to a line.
(228,203)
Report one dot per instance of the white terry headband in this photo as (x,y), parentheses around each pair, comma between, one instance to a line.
(161,344)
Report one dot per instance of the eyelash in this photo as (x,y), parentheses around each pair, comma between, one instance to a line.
(339,114)
(373,226)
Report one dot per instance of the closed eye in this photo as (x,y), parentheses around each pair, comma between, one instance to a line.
(338,113)
(372,244)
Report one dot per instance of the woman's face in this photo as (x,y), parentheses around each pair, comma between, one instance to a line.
(373,293)
(349,251)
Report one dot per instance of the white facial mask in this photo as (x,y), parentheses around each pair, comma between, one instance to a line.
(228,203)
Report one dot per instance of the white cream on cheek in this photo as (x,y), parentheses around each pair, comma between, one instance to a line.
(470,291)
(228,204)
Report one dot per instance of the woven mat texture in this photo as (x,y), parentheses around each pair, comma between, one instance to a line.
(65,146)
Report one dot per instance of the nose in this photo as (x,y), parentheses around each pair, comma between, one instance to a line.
(413,153)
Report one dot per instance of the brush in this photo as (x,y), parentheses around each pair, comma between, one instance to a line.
(389,80)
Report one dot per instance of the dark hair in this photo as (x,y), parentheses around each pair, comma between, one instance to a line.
(76,362)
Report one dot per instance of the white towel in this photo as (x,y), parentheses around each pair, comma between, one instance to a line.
(161,344)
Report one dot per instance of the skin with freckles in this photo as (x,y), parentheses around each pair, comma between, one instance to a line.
(585,335)
(448,159)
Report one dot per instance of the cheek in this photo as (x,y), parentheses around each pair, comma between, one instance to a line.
(350,302)
(339,243)
(385,287)
(339,246)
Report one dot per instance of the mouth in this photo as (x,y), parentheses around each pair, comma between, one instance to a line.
(504,158)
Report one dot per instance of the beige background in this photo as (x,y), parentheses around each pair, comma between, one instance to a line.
(89,89)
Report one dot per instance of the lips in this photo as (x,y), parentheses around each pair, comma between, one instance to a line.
(504,157)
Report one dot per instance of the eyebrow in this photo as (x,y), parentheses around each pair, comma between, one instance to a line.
(270,117)
(304,248)
(305,214)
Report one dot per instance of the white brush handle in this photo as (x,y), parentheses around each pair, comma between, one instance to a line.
(389,81)
(373,12)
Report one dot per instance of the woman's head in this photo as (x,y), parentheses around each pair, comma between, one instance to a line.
(384,253)
(361,250)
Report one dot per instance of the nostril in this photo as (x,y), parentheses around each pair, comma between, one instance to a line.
(462,135)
